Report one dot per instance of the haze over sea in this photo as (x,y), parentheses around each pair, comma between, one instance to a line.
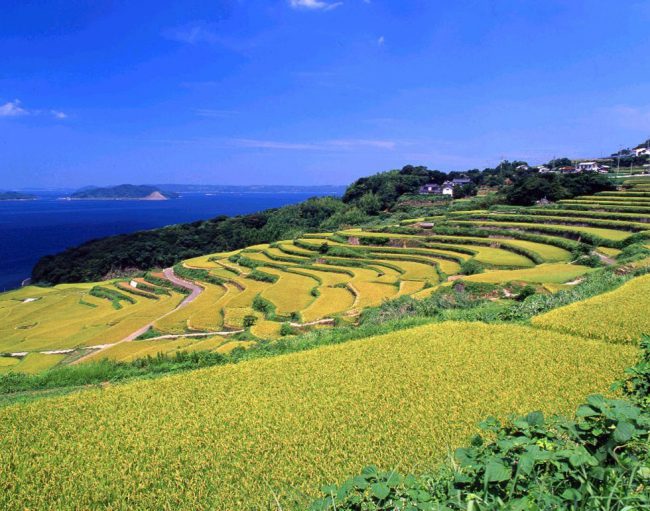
(32,229)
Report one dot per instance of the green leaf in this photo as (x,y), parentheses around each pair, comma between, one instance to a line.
(585,411)
(380,490)
(535,418)
(624,431)
(496,472)
(571,494)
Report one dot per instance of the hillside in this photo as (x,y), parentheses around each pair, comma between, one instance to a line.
(266,291)
(380,345)
(123,192)
(368,201)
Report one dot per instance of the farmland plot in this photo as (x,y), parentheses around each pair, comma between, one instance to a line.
(244,435)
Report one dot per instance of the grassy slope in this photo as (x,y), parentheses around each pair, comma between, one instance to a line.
(230,437)
(619,316)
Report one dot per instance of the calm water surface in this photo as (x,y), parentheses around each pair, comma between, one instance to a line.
(32,229)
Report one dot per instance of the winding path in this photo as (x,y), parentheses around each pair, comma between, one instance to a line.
(195,291)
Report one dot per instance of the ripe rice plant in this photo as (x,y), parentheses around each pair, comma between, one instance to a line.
(291,293)
(60,317)
(259,433)
(545,273)
(620,316)
(128,351)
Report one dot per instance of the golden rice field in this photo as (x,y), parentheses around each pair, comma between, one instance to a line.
(257,434)
(557,273)
(316,285)
(128,351)
(620,316)
(67,316)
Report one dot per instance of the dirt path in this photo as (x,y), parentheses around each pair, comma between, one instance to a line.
(606,259)
(195,291)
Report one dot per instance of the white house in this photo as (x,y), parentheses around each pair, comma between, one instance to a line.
(543,169)
(587,166)
(448,188)
(642,151)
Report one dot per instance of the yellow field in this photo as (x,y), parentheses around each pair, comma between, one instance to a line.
(232,437)
(127,351)
(234,316)
(60,318)
(266,329)
(204,313)
(611,234)
(496,256)
(618,316)
(552,273)
(291,293)
(331,301)
(7,363)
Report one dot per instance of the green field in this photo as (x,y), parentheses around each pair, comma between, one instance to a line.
(261,432)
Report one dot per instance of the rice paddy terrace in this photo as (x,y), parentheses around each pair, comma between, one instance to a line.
(264,292)
(267,433)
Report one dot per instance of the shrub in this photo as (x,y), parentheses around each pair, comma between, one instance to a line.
(286,329)
(471,267)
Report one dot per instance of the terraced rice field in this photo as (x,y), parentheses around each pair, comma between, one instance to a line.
(558,273)
(322,275)
(203,314)
(620,316)
(259,433)
(128,351)
(36,319)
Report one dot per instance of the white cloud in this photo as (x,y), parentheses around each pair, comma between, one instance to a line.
(12,109)
(193,33)
(314,5)
(381,41)
(327,145)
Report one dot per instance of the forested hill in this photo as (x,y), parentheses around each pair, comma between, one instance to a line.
(123,192)
(165,246)
(367,199)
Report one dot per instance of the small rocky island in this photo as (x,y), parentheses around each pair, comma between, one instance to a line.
(17,196)
(123,192)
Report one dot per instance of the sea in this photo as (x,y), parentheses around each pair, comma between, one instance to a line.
(32,229)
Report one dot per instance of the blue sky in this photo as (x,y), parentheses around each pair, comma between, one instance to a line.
(312,91)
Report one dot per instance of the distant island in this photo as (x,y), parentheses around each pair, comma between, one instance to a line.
(123,192)
(17,196)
